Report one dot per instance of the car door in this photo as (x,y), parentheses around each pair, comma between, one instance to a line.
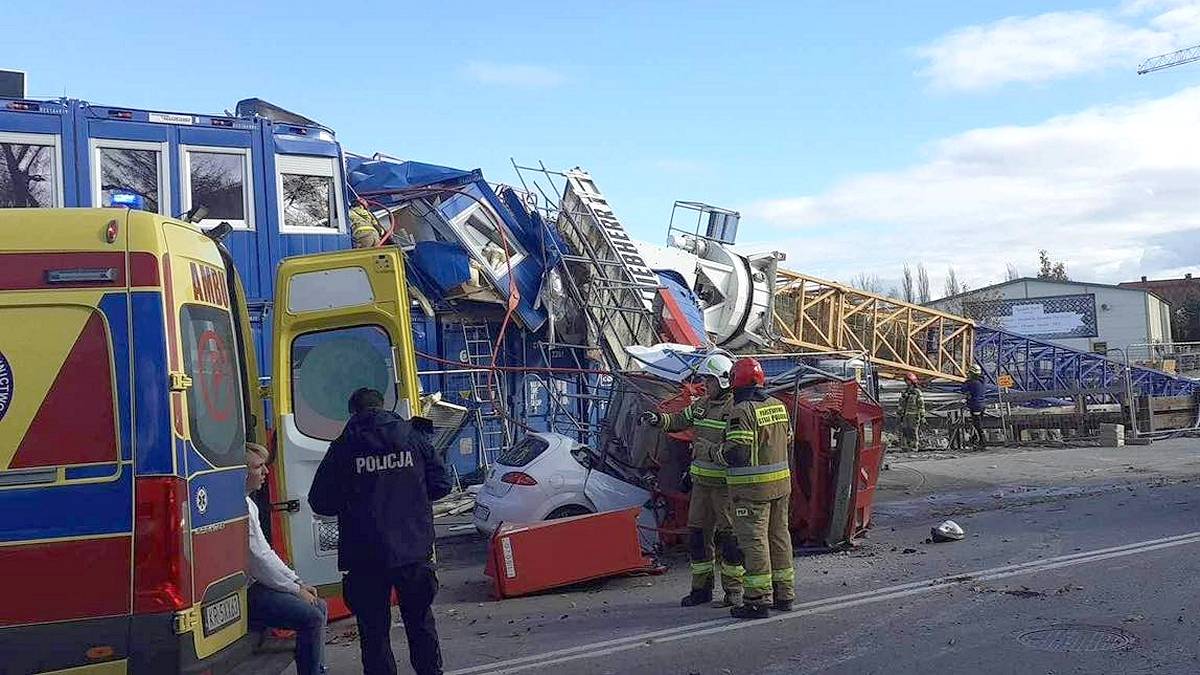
(341,322)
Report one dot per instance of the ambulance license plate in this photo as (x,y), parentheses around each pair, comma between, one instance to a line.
(222,613)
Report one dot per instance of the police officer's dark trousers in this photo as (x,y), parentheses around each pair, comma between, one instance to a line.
(368,594)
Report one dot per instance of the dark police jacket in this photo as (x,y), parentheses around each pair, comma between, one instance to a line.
(380,478)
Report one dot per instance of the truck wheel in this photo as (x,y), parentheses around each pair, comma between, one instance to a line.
(568,511)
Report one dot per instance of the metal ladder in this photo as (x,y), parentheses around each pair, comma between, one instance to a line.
(606,282)
(491,428)
(577,411)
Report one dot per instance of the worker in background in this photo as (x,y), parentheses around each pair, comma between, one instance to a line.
(975,389)
(712,546)
(911,412)
(276,597)
(757,452)
(380,478)
(366,230)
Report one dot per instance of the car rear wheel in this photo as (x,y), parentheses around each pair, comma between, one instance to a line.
(568,511)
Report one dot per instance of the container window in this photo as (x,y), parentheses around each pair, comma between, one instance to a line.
(132,173)
(328,366)
(219,178)
(215,397)
(310,197)
(28,171)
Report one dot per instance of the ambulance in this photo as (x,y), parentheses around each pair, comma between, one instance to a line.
(128,389)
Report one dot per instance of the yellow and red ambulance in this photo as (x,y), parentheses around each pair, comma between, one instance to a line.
(128,388)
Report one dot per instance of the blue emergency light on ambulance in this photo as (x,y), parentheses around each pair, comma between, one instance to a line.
(127,199)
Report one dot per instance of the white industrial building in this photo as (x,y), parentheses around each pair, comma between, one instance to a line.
(1085,316)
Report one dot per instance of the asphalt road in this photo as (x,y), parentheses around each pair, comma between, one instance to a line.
(1076,561)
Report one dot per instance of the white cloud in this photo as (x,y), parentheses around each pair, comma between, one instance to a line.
(514,75)
(1108,190)
(1055,45)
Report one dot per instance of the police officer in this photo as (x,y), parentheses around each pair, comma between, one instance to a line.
(756,451)
(380,478)
(712,545)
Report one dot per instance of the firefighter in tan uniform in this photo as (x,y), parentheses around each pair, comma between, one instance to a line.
(757,451)
(366,230)
(712,547)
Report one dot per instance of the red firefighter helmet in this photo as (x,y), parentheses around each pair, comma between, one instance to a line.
(911,378)
(748,372)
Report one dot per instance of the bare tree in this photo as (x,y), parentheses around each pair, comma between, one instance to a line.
(922,284)
(1011,273)
(1048,269)
(893,292)
(907,290)
(867,282)
(951,286)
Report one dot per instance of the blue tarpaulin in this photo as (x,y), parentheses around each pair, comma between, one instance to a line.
(445,264)
(381,175)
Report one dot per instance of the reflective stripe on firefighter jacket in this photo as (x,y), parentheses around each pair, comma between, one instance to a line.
(709,417)
(756,449)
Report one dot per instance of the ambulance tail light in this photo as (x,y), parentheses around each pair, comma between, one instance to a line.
(162,572)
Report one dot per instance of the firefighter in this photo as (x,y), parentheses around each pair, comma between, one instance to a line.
(366,230)
(756,452)
(380,478)
(911,412)
(712,547)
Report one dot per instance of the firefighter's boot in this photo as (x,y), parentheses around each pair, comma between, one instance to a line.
(696,597)
(782,606)
(750,612)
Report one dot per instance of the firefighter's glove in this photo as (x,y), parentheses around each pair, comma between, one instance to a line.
(650,419)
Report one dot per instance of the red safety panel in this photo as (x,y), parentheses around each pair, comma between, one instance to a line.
(219,553)
(75,423)
(25,271)
(64,580)
(143,269)
(524,559)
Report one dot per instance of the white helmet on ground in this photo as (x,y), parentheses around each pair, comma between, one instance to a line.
(947,531)
(718,365)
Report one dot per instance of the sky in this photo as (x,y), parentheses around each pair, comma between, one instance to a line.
(855,137)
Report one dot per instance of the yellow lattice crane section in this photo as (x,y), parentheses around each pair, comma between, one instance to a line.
(814,314)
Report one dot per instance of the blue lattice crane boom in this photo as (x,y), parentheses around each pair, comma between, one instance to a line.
(1176,58)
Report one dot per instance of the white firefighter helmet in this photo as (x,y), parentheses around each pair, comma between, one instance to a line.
(947,531)
(718,365)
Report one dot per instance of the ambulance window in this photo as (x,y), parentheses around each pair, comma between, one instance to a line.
(328,366)
(219,179)
(130,169)
(28,170)
(215,397)
(310,197)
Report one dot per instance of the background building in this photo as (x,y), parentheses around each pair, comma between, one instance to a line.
(1086,316)
(1184,297)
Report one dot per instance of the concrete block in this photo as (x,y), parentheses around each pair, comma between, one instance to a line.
(995,436)
(1026,435)
(1054,434)
(1118,429)
(1038,435)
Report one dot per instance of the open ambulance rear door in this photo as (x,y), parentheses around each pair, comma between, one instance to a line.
(341,323)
